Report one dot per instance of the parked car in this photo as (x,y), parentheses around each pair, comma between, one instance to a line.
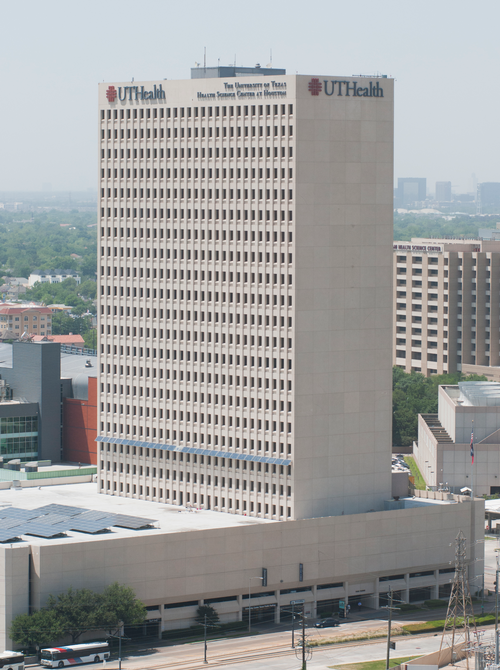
(330,622)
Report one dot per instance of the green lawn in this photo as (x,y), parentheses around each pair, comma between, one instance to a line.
(374,665)
(438,624)
(419,480)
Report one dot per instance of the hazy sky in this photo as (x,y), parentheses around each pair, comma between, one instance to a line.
(444,55)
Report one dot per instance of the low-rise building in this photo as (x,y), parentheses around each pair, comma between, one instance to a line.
(180,558)
(443,451)
(52,276)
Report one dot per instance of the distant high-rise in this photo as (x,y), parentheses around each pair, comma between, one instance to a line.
(411,190)
(446,297)
(489,193)
(443,191)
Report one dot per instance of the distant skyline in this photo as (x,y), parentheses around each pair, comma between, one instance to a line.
(441,54)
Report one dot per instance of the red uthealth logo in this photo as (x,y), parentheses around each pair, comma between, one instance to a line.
(315,86)
(111,93)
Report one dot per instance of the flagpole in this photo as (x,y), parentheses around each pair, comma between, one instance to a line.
(472,456)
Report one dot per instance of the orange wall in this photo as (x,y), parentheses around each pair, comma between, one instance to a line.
(80,427)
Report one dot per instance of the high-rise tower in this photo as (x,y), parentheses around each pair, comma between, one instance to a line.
(245,292)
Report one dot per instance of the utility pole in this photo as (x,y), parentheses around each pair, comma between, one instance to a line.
(304,666)
(205,641)
(496,610)
(120,647)
(390,608)
(293,624)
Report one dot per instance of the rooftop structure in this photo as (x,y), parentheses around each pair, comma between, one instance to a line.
(226,71)
(443,451)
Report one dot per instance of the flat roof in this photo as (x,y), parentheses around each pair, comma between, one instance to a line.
(168,518)
(480,394)
(72,366)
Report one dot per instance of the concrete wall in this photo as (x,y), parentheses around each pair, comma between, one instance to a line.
(14,587)
(343,305)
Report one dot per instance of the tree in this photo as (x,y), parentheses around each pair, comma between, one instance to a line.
(90,338)
(119,604)
(39,629)
(77,610)
(414,394)
(63,324)
(208,611)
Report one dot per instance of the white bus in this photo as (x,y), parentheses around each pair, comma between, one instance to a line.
(12,660)
(58,657)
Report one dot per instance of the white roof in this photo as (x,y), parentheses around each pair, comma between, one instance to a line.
(480,394)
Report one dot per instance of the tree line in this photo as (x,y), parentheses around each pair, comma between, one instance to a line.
(75,612)
(47,241)
(414,394)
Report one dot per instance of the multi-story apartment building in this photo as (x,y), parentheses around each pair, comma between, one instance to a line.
(52,276)
(26,319)
(244,280)
(446,305)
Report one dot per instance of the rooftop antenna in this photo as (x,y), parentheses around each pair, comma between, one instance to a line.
(234,60)
(205,58)
(270,64)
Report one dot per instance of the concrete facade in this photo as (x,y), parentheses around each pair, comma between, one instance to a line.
(446,305)
(244,281)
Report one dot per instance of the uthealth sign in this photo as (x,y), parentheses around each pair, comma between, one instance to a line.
(134,93)
(335,86)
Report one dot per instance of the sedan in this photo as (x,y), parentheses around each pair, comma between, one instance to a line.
(327,623)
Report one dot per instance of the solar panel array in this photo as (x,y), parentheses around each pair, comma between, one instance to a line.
(195,450)
(53,520)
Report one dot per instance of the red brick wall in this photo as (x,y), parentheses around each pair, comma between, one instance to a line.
(80,427)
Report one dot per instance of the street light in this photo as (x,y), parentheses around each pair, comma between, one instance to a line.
(120,647)
(496,607)
(250,602)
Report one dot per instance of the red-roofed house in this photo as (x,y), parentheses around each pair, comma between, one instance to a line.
(68,340)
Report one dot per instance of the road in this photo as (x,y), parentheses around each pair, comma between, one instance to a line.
(273,651)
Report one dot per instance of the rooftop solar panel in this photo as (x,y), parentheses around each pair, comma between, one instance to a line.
(7,535)
(42,530)
(94,526)
(11,523)
(93,515)
(18,513)
(51,519)
(133,522)
(55,508)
